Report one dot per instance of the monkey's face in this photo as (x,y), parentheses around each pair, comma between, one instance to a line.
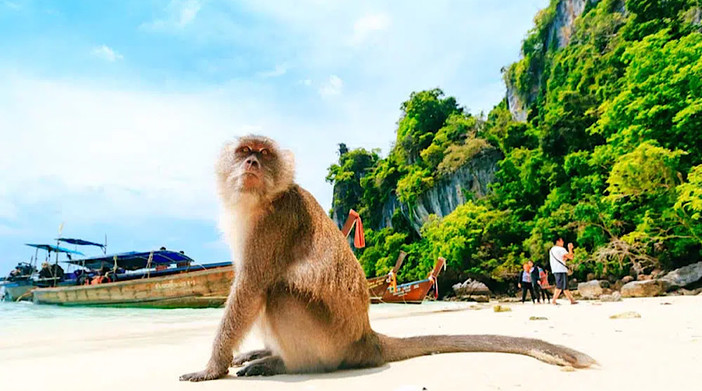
(254,165)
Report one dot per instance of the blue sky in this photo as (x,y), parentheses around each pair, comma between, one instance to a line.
(112,112)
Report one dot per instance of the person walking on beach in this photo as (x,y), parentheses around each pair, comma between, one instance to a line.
(544,285)
(558,257)
(524,282)
(535,282)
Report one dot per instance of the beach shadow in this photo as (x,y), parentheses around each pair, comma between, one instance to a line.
(342,374)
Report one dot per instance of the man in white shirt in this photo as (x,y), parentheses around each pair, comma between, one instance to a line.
(557,257)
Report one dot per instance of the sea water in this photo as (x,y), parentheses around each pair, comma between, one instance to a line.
(28,329)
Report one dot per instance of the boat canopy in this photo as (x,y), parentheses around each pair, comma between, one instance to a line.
(133,260)
(80,242)
(56,249)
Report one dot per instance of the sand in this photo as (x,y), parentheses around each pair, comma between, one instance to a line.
(660,350)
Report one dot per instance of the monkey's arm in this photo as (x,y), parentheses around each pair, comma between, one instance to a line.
(244,303)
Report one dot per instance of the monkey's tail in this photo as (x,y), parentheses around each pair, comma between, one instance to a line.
(396,349)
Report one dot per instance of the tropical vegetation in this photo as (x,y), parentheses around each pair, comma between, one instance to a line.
(610,155)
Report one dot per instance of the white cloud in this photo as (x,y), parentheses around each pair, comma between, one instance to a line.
(11,5)
(279,70)
(93,152)
(179,14)
(130,151)
(367,25)
(331,87)
(188,12)
(113,152)
(106,53)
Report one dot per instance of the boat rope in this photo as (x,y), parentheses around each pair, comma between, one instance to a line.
(24,294)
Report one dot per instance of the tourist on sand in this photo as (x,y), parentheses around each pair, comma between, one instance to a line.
(524,282)
(534,273)
(558,257)
(544,286)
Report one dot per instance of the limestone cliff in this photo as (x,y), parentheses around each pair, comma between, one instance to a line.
(468,182)
(559,29)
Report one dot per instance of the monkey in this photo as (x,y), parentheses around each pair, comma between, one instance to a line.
(298,282)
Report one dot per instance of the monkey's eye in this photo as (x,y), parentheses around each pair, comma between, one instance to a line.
(265,152)
(244,149)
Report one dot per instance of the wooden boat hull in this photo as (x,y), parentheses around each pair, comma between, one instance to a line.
(377,286)
(16,291)
(410,293)
(197,289)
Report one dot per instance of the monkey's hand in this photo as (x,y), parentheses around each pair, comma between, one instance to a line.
(207,374)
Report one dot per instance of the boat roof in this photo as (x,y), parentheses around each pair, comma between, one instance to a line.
(56,249)
(132,260)
(80,242)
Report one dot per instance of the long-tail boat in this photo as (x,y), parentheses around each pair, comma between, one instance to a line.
(384,289)
(354,220)
(376,285)
(156,279)
(25,277)
(413,292)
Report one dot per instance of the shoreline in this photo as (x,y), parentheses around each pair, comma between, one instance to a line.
(121,349)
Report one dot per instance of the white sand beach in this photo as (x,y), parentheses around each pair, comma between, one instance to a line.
(148,350)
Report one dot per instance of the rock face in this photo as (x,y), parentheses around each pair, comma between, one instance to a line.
(563,24)
(515,104)
(647,288)
(471,288)
(468,182)
(590,289)
(559,35)
(684,276)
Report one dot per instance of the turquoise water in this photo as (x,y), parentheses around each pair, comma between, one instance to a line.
(27,329)
(26,315)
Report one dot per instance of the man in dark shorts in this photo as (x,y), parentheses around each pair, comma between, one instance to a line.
(558,257)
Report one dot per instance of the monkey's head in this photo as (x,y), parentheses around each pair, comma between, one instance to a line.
(254,165)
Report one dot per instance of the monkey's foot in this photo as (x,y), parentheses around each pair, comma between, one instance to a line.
(268,366)
(243,358)
(207,374)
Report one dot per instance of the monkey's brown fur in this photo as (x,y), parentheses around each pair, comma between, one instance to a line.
(297,279)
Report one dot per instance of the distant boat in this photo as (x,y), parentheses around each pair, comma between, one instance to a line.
(154,279)
(161,279)
(377,286)
(25,277)
(413,292)
(16,286)
(383,289)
